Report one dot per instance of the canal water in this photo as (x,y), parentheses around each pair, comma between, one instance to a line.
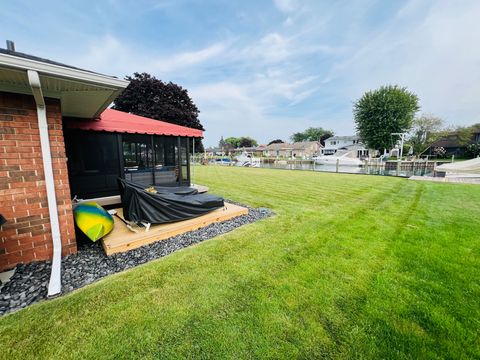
(371,170)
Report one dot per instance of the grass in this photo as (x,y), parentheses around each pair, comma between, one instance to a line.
(350,267)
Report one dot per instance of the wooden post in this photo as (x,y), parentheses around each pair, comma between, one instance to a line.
(398,167)
(336,167)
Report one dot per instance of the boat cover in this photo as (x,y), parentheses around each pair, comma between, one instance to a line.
(166,205)
(462,167)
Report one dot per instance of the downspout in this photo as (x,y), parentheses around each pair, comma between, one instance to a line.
(55,284)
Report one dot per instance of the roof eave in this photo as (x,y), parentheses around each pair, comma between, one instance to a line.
(60,71)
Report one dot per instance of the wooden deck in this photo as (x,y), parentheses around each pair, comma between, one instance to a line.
(122,239)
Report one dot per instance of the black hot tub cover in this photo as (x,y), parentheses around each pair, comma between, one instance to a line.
(166,205)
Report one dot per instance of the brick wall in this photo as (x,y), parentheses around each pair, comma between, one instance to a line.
(26,236)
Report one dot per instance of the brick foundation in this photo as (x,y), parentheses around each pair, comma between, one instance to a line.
(26,236)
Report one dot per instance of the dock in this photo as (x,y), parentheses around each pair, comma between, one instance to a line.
(121,239)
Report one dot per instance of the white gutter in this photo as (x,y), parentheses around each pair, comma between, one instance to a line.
(61,71)
(55,284)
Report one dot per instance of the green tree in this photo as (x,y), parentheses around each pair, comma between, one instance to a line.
(465,134)
(379,113)
(426,129)
(243,141)
(246,141)
(221,143)
(150,97)
(312,134)
(473,150)
(276,141)
(233,141)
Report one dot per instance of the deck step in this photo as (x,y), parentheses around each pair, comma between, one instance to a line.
(121,239)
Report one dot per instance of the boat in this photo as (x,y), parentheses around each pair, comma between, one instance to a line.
(246,160)
(342,157)
(93,220)
(222,161)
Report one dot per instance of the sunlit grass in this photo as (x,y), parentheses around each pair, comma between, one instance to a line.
(351,266)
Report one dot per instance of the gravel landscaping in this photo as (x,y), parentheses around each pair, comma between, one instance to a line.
(29,282)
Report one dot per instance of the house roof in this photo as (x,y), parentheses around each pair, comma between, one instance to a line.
(121,122)
(350,137)
(449,141)
(302,145)
(279,146)
(452,140)
(82,93)
(43,60)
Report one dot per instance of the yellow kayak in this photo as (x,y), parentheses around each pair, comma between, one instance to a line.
(93,220)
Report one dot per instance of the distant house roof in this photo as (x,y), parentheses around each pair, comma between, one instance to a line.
(351,137)
(121,122)
(302,145)
(279,146)
(251,148)
(452,140)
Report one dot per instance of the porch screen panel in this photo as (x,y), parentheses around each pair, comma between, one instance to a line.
(93,163)
(184,159)
(138,158)
(166,167)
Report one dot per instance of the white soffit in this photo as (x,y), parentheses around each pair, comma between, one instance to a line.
(82,93)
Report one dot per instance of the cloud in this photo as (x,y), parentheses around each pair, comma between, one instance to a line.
(236,109)
(189,58)
(286,6)
(268,73)
(110,55)
(431,55)
(106,54)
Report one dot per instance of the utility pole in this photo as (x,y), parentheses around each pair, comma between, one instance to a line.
(402,139)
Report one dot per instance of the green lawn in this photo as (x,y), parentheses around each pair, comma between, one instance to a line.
(350,267)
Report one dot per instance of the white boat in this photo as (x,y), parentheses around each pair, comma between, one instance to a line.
(343,157)
(245,159)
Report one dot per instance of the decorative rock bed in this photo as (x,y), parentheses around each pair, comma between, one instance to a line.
(29,282)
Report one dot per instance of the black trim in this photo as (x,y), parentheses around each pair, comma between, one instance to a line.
(179,160)
(154,157)
(188,162)
(120,155)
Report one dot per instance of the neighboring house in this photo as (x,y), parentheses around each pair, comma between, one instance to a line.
(353,142)
(306,149)
(303,150)
(278,150)
(211,151)
(51,112)
(253,150)
(452,144)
